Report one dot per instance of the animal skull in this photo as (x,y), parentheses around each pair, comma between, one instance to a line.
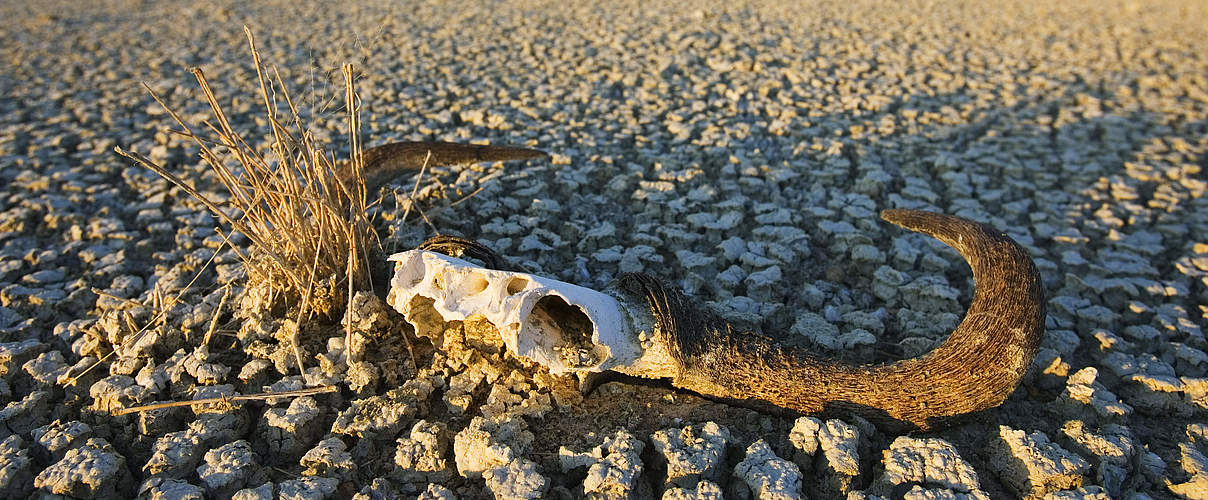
(564,327)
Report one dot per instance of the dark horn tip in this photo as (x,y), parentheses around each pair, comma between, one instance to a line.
(920,220)
(957,232)
(897,215)
(535,153)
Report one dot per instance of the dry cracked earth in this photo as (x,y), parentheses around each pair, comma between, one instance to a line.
(739,150)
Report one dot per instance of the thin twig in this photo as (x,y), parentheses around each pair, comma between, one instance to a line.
(305,302)
(410,351)
(285,472)
(248,397)
(422,169)
(424,216)
(466,197)
(205,341)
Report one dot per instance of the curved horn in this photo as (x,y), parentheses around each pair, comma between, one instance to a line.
(381,164)
(976,368)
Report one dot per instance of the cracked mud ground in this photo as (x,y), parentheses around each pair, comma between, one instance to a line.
(738,150)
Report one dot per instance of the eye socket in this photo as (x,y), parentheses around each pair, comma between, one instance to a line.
(516,285)
(476,285)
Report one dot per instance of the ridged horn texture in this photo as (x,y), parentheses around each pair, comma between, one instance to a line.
(976,368)
(384,163)
(454,246)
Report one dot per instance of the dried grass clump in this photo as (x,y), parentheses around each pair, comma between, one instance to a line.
(311,238)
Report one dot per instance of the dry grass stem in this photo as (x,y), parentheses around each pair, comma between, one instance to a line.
(226,294)
(423,169)
(263,396)
(308,226)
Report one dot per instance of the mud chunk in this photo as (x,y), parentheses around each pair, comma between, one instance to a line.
(16,471)
(461,388)
(518,480)
(93,470)
(289,431)
(704,490)
(159,488)
(804,437)
(1083,493)
(262,492)
(370,317)
(20,417)
(437,492)
(614,467)
(170,374)
(334,362)
(486,444)
(818,330)
(420,457)
(329,458)
(1194,462)
(46,369)
(199,366)
(516,397)
(218,425)
(930,464)
(766,475)
(362,377)
(307,488)
(229,468)
(1110,450)
(839,442)
(692,453)
(116,392)
(378,489)
(384,415)
(175,455)
(1082,390)
(920,493)
(256,373)
(15,354)
(1031,465)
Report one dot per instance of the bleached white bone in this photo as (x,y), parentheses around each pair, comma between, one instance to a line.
(565,327)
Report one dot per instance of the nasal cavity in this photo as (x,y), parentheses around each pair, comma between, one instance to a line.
(575,325)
